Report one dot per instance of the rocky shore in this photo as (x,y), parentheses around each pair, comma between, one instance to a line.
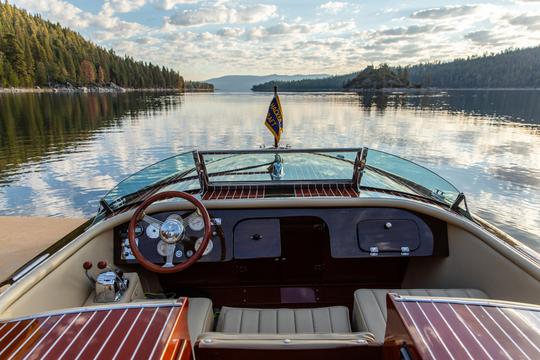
(68,88)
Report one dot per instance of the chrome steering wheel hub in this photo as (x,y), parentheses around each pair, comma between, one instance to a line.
(172,231)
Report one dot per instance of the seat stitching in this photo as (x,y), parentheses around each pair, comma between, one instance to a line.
(360,312)
(294,322)
(259,322)
(312,320)
(330,317)
(241,318)
(277,322)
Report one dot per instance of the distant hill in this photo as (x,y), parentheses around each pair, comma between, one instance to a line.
(330,83)
(36,52)
(514,68)
(509,69)
(246,82)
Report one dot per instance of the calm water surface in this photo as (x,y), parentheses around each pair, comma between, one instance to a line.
(60,153)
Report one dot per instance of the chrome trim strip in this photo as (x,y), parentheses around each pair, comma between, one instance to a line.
(96,308)
(30,267)
(465,301)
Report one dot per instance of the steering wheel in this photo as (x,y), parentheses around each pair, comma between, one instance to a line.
(171,232)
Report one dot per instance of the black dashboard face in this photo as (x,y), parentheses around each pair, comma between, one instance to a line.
(243,234)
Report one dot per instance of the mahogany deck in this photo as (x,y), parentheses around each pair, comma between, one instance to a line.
(145,331)
(453,329)
(261,191)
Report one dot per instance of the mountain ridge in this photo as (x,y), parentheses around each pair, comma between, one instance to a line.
(246,82)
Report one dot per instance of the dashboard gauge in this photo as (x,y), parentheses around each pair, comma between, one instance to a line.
(162,248)
(196,223)
(138,230)
(209,247)
(152,231)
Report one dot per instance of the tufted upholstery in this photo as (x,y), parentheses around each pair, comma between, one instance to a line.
(327,320)
(370,305)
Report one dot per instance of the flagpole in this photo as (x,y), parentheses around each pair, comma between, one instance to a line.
(276,143)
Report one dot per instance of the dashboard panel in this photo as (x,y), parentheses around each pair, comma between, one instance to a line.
(243,234)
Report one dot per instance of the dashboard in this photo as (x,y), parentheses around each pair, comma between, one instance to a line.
(244,234)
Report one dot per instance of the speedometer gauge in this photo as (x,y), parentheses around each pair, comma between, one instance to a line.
(196,223)
(209,247)
(152,231)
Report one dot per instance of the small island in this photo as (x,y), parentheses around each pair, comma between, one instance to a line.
(379,78)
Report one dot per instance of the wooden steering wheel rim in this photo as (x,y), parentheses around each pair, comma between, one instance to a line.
(140,211)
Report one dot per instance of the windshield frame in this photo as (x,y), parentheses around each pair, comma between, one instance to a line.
(199,172)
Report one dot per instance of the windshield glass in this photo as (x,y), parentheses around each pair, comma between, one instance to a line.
(382,171)
(172,169)
(390,172)
(280,165)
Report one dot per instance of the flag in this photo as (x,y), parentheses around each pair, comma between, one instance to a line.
(274,118)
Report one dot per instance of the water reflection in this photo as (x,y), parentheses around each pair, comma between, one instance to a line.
(34,126)
(60,153)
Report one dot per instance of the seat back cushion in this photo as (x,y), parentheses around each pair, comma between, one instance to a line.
(327,320)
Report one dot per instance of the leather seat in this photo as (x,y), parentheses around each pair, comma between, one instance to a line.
(277,329)
(326,320)
(200,317)
(369,312)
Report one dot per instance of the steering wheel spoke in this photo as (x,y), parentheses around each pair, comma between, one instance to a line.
(151,220)
(170,255)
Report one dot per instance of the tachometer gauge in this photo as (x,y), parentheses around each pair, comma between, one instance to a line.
(209,247)
(196,223)
(152,231)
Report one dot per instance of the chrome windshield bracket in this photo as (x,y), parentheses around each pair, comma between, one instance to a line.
(462,210)
(359,165)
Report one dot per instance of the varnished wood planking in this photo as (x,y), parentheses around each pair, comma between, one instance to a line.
(149,331)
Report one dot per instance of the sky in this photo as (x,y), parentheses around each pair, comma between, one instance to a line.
(203,39)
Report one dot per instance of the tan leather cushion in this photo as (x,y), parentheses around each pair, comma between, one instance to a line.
(283,341)
(200,317)
(333,319)
(370,305)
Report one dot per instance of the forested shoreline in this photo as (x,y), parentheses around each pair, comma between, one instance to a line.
(37,53)
(513,68)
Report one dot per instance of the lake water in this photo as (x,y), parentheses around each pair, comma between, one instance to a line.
(60,153)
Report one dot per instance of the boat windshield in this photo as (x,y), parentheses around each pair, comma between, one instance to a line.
(362,168)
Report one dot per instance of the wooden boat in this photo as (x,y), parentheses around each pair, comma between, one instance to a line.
(278,253)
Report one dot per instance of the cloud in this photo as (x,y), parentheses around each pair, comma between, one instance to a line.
(230,32)
(222,14)
(531,22)
(333,6)
(445,12)
(485,37)
(123,6)
(171,4)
